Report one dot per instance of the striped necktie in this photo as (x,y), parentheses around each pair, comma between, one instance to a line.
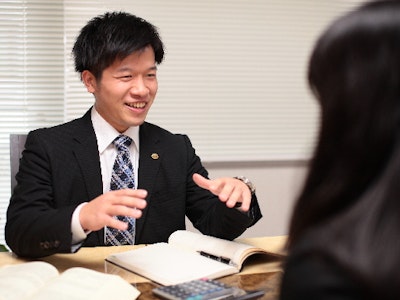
(122,177)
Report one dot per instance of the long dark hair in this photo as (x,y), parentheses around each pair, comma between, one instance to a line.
(351,196)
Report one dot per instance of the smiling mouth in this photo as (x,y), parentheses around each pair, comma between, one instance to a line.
(137,104)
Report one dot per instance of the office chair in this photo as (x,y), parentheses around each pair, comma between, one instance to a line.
(17,145)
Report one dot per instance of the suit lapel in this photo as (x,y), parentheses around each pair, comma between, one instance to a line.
(87,155)
(151,154)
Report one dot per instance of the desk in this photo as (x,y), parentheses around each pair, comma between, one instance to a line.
(258,272)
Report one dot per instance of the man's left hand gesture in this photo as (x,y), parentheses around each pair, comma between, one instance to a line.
(228,189)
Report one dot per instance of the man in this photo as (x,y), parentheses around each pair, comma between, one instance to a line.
(63,200)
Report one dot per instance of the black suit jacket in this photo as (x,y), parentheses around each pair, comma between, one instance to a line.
(60,168)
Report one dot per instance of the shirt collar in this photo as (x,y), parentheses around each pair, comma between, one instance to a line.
(105,133)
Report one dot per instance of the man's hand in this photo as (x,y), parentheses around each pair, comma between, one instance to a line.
(100,211)
(229,190)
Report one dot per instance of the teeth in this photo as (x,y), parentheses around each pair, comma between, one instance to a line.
(137,105)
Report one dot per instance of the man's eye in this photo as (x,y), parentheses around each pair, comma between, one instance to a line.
(124,77)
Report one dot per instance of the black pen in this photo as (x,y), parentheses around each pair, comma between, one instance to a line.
(222,259)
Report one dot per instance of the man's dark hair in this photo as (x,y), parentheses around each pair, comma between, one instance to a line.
(111,36)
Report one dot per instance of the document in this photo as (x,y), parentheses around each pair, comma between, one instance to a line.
(41,280)
(187,256)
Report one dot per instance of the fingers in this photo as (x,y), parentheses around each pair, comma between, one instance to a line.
(201,181)
(234,194)
(117,224)
(229,190)
(215,186)
(126,202)
(128,198)
(102,210)
(122,210)
(234,197)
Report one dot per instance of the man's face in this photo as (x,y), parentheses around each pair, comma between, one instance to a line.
(126,90)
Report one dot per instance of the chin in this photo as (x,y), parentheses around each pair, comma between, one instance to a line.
(136,123)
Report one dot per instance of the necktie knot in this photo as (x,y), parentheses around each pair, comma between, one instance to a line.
(122,142)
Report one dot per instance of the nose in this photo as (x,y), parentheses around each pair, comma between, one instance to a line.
(139,87)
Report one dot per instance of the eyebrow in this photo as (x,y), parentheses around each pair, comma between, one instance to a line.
(124,69)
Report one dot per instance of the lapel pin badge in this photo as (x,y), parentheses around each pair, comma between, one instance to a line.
(155,156)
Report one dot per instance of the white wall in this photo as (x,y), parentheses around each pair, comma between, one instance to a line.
(277,184)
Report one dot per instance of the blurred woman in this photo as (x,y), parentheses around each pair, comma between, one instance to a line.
(344,236)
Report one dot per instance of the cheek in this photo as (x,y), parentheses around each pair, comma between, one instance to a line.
(114,91)
(154,88)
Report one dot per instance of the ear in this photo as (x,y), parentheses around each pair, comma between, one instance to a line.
(89,81)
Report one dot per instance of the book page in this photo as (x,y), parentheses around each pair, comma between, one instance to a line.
(192,241)
(168,265)
(23,280)
(81,283)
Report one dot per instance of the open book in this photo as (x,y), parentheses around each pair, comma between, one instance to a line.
(41,280)
(187,256)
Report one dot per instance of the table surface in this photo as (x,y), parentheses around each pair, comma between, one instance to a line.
(258,272)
